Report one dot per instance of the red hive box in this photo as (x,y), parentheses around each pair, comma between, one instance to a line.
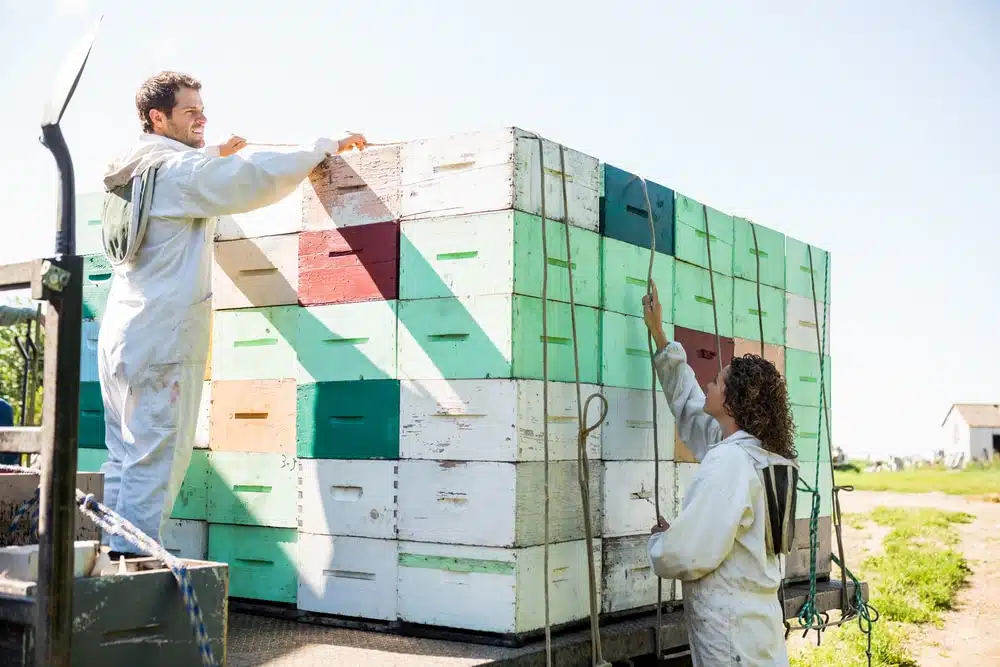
(702,357)
(350,264)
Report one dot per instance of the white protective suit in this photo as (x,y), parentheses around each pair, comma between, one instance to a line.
(716,544)
(153,343)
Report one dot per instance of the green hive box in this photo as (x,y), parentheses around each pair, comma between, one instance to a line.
(348,420)
(97,276)
(769,253)
(625,272)
(497,253)
(495,336)
(262,561)
(624,214)
(691,241)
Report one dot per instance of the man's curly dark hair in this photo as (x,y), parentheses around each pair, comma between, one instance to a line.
(757,398)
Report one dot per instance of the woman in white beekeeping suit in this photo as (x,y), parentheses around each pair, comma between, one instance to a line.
(738,512)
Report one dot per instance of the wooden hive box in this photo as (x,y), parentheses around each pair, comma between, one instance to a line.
(351,498)
(346,341)
(254,343)
(89,331)
(356,263)
(798,279)
(690,236)
(252,489)
(357,188)
(348,576)
(627,431)
(625,351)
(89,228)
(493,503)
(256,272)
(630,495)
(624,278)
(496,170)
(97,275)
(491,420)
(494,336)
(253,416)
(18,488)
(263,561)
(491,589)
(356,419)
(624,214)
(497,253)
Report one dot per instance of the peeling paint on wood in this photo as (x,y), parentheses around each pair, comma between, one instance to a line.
(353,498)
(263,562)
(490,420)
(492,589)
(185,538)
(17,488)
(353,189)
(493,171)
(628,581)
(627,432)
(625,351)
(629,496)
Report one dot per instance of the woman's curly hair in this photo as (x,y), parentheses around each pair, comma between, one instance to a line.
(757,398)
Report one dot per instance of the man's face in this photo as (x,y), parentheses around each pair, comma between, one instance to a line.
(186,122)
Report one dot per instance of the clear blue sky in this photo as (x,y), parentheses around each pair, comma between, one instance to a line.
(867,128)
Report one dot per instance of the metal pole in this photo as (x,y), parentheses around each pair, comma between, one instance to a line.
(34,334)
(54,600)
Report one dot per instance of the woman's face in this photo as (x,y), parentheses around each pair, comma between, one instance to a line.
(715,395)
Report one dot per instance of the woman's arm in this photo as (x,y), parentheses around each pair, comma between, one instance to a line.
(715,507)
(686,399)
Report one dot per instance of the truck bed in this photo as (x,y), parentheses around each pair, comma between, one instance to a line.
(275,642)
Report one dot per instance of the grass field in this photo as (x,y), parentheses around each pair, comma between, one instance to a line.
(975,480)
(913,580)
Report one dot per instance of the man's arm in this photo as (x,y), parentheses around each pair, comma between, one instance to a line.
(199,185)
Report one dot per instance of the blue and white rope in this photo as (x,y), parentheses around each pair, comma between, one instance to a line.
(112,523)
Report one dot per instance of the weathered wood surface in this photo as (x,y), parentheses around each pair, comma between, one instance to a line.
(795,566)
(352,498)
(625,360)
(496,170)
(357,263)
(694,298)
(256,272)
(491,420)
(493,504)
(346,341)
(625,214)
(798,279)
(630,495)
(17,488)
(203,430)
(108,632)
(254,343)
(353,189)
(627,432)
(493,589)
(253,416)
(627,580)
(97,275)
(690,235)
(348,576)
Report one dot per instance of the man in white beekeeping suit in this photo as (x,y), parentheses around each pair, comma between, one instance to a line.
(738,514)
(159,215)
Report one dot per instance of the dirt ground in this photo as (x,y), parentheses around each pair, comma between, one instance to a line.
(968,635)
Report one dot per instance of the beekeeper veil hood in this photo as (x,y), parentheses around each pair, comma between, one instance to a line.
(128,185)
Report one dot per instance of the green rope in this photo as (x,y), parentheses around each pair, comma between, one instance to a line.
(809,617)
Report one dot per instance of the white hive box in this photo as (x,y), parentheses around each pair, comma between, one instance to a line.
(627,431)
(493,504)
(354,498)
(493,590)
(491,420)
(349,576)
(495,170)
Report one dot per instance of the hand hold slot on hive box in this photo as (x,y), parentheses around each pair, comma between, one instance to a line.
(348,265)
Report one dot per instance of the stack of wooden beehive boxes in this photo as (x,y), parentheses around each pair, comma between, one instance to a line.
(373,420)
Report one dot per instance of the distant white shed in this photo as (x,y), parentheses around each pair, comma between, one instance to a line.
(972,432)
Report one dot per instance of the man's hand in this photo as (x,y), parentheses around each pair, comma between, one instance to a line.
(352,141)
(233,146)
(661,526)
(652,314)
